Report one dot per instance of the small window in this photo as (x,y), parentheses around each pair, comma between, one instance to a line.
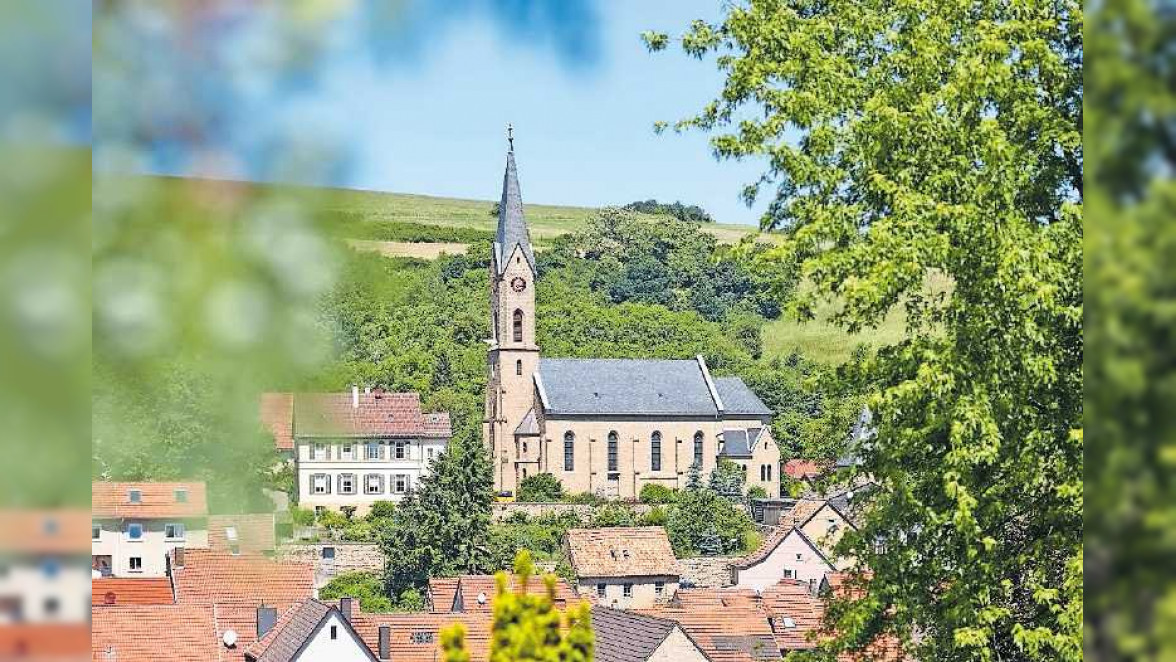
(320,451)
(347,484)
(401,483)
(372,450)
(432,453)
(95,531)
(319,484)
(524,448)
(135,563)
(698,449)
(569,451)
(769,472)
(373,484)
(135,531)
(518,367)
(659,589)
(798,557)
(52,607)
(655,451)
(334,632)
(348,450)
(173,531)
(422,637)
(789,573)
(600,590)
(328,553)
(50,568)
(181,496)
(231,533)
(135,496)
(627,590)
(401,450)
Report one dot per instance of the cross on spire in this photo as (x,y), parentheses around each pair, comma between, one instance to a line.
(510,135)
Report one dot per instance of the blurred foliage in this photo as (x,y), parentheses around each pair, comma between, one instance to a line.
(1131,203)
(684,213)
(902,139)
(527,626)
(358,225)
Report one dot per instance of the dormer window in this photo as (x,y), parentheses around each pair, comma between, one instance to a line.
(181,496)
(135,496)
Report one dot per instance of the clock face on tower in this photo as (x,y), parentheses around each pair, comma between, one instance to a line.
(518,284)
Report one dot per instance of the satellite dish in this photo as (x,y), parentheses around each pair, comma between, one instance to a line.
(482,598)
(230,638)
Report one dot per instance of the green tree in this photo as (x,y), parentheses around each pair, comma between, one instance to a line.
(727,480)
(655,493)
(527,626)
(541,487)
(367,587)
(703,522)
(904,139)
(442,529)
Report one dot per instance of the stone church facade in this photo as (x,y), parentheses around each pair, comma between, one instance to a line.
(606,426)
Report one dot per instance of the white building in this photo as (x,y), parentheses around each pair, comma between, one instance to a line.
(43,573)
(353,449)
(135,525)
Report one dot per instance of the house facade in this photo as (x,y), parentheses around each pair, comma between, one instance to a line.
(353,449)
(135,525)
(624,567)
(43,573)
(605,426)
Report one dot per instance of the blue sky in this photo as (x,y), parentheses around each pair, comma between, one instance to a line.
(415,96)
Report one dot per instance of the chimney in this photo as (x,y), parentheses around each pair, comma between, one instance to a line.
(267,618)
(179,557)
(385,640)
(345,608)
(355,396)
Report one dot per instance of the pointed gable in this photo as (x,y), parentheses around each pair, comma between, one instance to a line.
(512,228)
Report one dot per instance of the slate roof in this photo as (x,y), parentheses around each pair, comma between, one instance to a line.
(255,532)
(623,551)
(739,442)
(528,426)
(626,386)
(627,636)
(44,531)
(111,591)
(863,431)
(293,629)
(378,415)
(512,228)
(738,398)
(158,500)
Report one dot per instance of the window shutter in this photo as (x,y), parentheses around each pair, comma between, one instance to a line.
(328,482)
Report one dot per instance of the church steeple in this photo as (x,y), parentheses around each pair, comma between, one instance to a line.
(512,229)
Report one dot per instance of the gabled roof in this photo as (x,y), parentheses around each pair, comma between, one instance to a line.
(638,551)
(740,442)
(628,636)
(294,629)
(738,398)
(529,426)
(209,576)
(512,228)
(800,469)
(43,531)
(375,414)
(444,592)
(738,632)
(790,523)
(416,637)
(641,387)
(254,533)
(277,414)
(157,500)
(113,591)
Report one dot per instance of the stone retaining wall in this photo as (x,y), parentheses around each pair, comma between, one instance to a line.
(349,557)
(707,571)
(502,511)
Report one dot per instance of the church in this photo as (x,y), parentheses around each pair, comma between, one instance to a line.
(606,426)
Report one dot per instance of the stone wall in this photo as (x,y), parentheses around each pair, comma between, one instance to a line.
(349,557)
(707,571)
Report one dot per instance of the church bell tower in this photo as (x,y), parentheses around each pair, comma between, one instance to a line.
(513,355)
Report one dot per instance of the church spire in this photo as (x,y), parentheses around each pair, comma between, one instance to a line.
(512,229)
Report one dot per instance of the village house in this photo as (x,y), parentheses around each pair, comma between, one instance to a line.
(353,449)
(802,546)
(43,568)
(623,567)
(604,426)
(626,636)
(135,525)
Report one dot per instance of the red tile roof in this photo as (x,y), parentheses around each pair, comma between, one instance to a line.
(110,591)
(44,531)
(798,516)
(416,637)
(277,414)
(182,632)
(737,632)
(377,415)
(800,469)
(209,576)
(255,532)
(43,642)
(158,500)
(638,551)
(443,590)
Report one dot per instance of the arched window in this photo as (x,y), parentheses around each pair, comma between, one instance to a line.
(655,451)
(569,451)
(518,367)
(698,449)
(518,326)
(769,472)
(612,451)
